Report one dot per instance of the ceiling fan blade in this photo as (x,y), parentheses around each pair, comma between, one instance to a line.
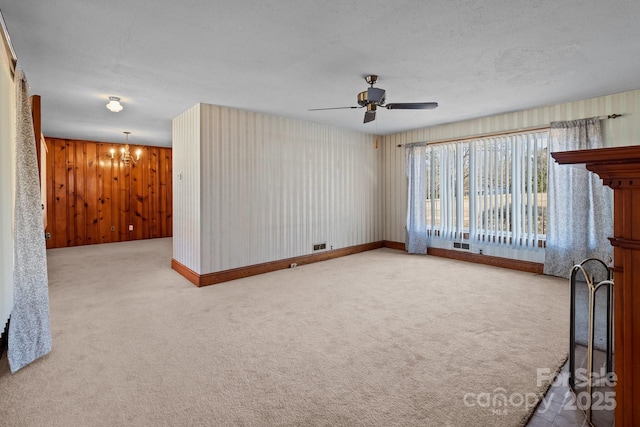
(331,108)
(369,116)
(376,95)
(412,106)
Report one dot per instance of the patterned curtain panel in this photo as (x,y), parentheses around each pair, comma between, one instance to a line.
(29,330)
(416,239)
(580,215)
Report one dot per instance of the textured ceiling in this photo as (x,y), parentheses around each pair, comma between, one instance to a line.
(476,58)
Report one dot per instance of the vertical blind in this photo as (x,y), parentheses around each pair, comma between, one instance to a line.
(491,190)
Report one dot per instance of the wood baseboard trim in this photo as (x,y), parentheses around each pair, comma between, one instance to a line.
(186,272)
(394,245)
(513,264)
(252,270)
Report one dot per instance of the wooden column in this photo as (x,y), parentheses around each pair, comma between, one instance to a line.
(37,125)
(619,169)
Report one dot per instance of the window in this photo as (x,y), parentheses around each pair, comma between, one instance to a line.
(491,190)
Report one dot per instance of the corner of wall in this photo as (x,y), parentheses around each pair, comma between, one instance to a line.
(186,188)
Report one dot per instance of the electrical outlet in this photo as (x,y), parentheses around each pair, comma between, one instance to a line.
(130,227)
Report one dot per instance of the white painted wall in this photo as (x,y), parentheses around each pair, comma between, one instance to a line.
(270,188)
(618,132)
(7,171)
(186,182)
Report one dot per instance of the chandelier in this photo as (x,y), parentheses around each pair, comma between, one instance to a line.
(125,154)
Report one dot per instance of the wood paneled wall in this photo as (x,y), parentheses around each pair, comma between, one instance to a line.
(92,198)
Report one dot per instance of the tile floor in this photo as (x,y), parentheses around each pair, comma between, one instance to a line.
(555,409)
(558,409)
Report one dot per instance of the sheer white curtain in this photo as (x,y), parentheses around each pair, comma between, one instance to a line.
(580,216)
(416,166)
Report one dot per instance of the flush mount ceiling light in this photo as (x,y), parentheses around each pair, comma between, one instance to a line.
(114,104)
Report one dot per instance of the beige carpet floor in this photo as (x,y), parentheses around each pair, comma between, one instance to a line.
(380,338)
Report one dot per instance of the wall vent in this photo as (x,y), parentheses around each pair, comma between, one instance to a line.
(319,246)
(459,245)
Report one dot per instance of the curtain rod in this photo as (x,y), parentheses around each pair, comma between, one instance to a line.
(7,43)
(491,135)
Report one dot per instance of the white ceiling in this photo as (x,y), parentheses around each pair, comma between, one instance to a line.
(476,58)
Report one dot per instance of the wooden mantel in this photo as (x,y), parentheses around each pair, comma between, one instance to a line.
(619,169)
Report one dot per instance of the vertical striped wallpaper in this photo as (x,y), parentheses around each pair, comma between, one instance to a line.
(186,188)
(624,130)
(252,188)
(271,187)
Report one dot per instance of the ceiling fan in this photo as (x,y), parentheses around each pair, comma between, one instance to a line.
(374,97)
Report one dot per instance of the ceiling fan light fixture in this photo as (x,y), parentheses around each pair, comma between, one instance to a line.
(114,104)
(375,97)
